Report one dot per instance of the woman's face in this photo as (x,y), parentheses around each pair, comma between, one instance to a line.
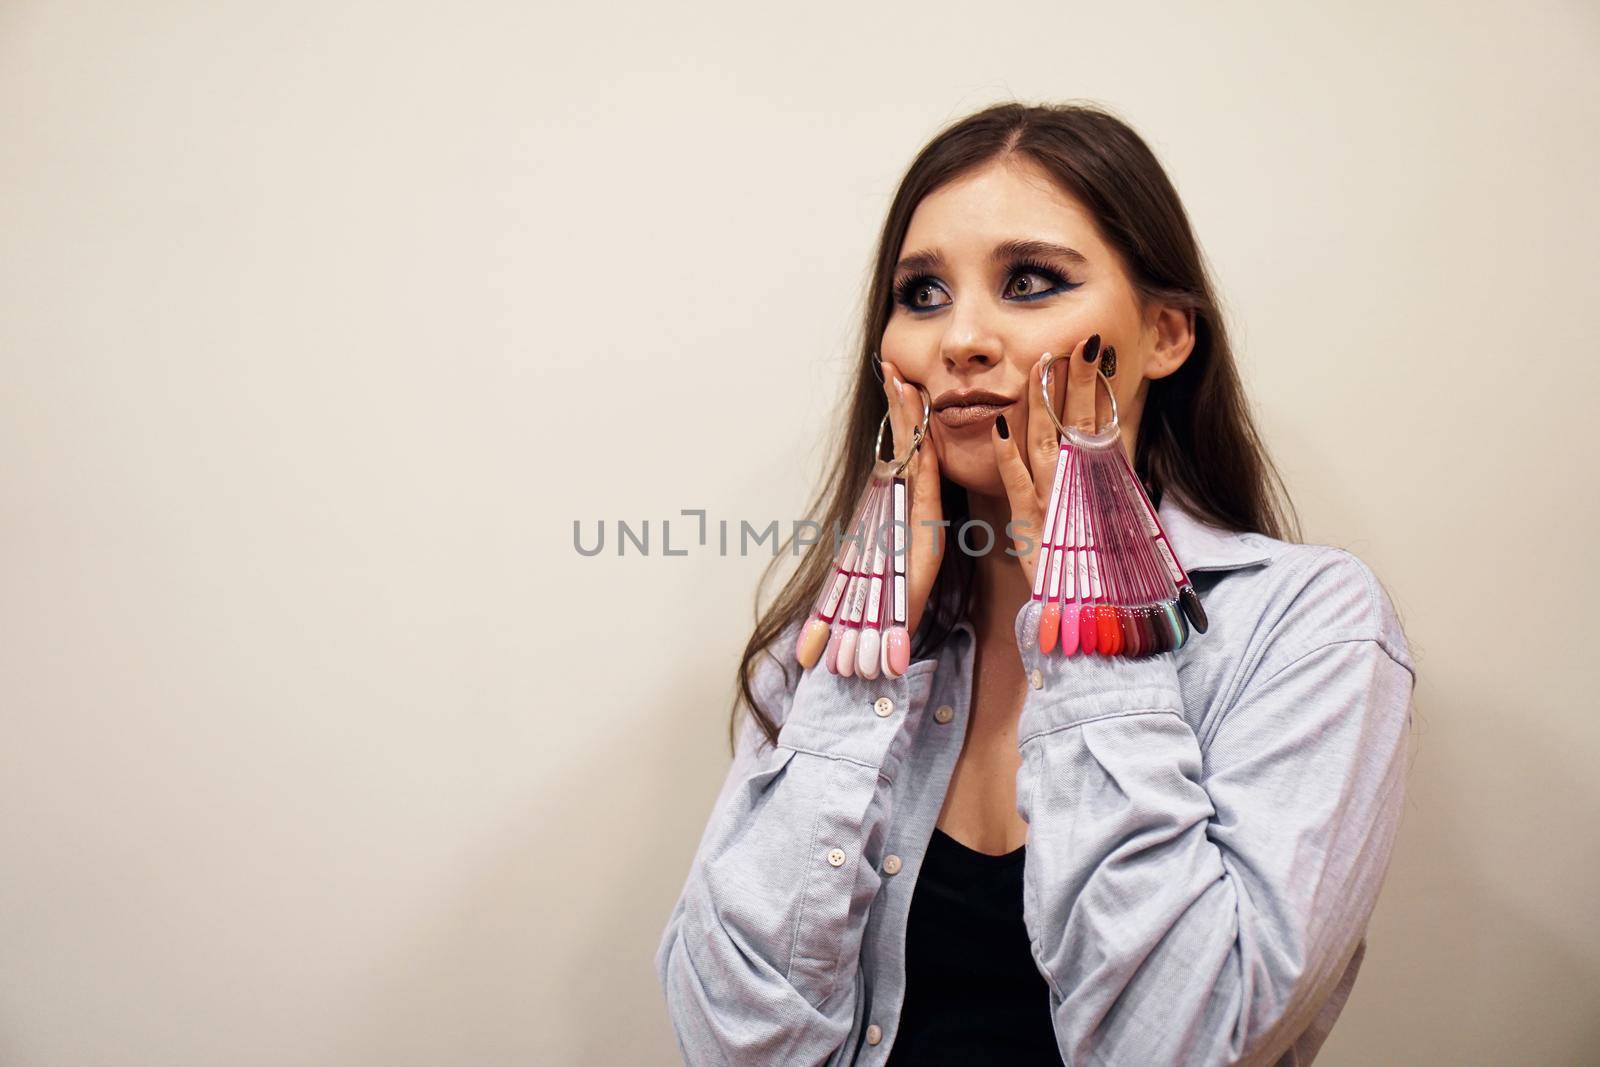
(971,313)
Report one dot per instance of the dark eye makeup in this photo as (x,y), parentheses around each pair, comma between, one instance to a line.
(907,290)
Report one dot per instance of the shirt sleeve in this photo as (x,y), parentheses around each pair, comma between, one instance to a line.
(1197,907)
(759,961)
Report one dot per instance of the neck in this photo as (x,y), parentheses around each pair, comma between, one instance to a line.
(1002,587)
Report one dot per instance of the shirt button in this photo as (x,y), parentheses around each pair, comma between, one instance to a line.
(836,856)
(874,1034)
(891,864)
(1037,677)
(883,706)
(944,714)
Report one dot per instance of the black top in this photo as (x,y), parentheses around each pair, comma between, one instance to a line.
(973,993)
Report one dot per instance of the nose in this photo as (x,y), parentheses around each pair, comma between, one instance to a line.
(969,344)
(968,351)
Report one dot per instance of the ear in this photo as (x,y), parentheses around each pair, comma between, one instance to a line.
(1175,337)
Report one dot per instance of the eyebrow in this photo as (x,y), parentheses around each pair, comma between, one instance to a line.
(931,260)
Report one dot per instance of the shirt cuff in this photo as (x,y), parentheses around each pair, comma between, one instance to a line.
(1064,691)
(844,717)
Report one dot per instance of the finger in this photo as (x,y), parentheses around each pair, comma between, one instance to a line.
(1044,443)
(1059,372)
(1103,401)
(905,409)
(924,471)
(894,391)
(925,546)
(1041,431)
(1026,511)
(1082,392)
(927,508)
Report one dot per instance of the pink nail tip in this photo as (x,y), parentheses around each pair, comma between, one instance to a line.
(847,654)
(899,650)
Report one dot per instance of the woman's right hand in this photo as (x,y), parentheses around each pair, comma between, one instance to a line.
(926,535)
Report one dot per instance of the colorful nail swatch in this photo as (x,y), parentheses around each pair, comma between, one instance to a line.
(1107,581)
(858,625)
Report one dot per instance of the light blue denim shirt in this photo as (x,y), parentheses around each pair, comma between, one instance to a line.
(1208,829)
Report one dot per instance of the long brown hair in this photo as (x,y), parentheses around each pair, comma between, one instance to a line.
(1196,436)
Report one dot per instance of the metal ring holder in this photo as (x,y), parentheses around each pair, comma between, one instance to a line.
(1099,436)
(917,435)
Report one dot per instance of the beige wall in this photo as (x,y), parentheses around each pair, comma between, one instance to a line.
(321,322)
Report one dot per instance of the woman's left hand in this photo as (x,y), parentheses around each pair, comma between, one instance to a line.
(1028,479)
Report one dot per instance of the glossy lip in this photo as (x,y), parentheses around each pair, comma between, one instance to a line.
(966,415)
(962,408)
(962,397)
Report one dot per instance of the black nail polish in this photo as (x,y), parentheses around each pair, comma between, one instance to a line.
(1091,349)
(1108,361)
(1000,424)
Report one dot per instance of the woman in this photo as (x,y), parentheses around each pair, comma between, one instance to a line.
(1008,857)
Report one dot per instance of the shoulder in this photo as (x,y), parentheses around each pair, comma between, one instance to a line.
(1308,596)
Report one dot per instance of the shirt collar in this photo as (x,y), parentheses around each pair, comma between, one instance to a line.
(1203,547)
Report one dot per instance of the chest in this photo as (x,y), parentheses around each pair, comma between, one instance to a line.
(980,806)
